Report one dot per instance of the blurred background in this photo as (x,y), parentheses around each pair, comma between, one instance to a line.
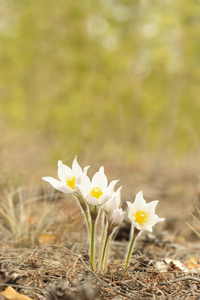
(112,81)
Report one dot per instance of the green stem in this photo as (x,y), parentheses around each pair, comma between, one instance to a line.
(135,233)
(104,251)
(109,233)
(92,246)
(107,251)
(87,216)
(102,240)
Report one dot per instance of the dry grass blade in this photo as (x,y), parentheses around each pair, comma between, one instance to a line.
(181,279)
(197,220)
(194,230)
(21,218)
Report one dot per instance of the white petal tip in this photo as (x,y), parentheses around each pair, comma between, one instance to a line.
(101,169)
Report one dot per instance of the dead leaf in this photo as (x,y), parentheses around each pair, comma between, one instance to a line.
(32,220)
(193,263)
(11,294)
(46,238)
(171,264)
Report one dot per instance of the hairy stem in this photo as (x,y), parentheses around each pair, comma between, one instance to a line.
(104,251)
(135,233)
(92,246)
(106,258)
(102,240)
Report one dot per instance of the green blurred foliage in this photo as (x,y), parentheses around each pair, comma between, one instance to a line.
(114,78)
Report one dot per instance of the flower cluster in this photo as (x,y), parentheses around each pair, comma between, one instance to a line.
(97,197)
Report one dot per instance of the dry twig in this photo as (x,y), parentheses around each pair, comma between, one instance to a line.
(180,279)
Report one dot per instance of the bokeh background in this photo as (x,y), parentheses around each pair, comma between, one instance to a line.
(114,81)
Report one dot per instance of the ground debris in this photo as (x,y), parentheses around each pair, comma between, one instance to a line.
(55,272)
(144,281)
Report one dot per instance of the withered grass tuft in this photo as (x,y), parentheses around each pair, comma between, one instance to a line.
(24,217)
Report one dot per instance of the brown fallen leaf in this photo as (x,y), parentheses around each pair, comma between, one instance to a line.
(171,264)
(46,238)
(193,263)
(11,294)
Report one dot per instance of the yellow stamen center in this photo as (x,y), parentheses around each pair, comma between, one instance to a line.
(140,217)
(96,192)
(71,182)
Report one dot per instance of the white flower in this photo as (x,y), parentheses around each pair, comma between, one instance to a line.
(141,214)
(97,191)
(116,217)
(69,177)
(113,202)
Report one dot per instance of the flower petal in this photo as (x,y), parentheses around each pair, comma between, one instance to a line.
(76,169)
(131,211)
(155,219)
(103,199)
(149,228)
(129,204)
(58,185)
(116,217)
(100,180)
(139,202)
(151,206)
(111,187)
(63,171)
(113,202)
(91,200)
(86,169)
(83,184)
